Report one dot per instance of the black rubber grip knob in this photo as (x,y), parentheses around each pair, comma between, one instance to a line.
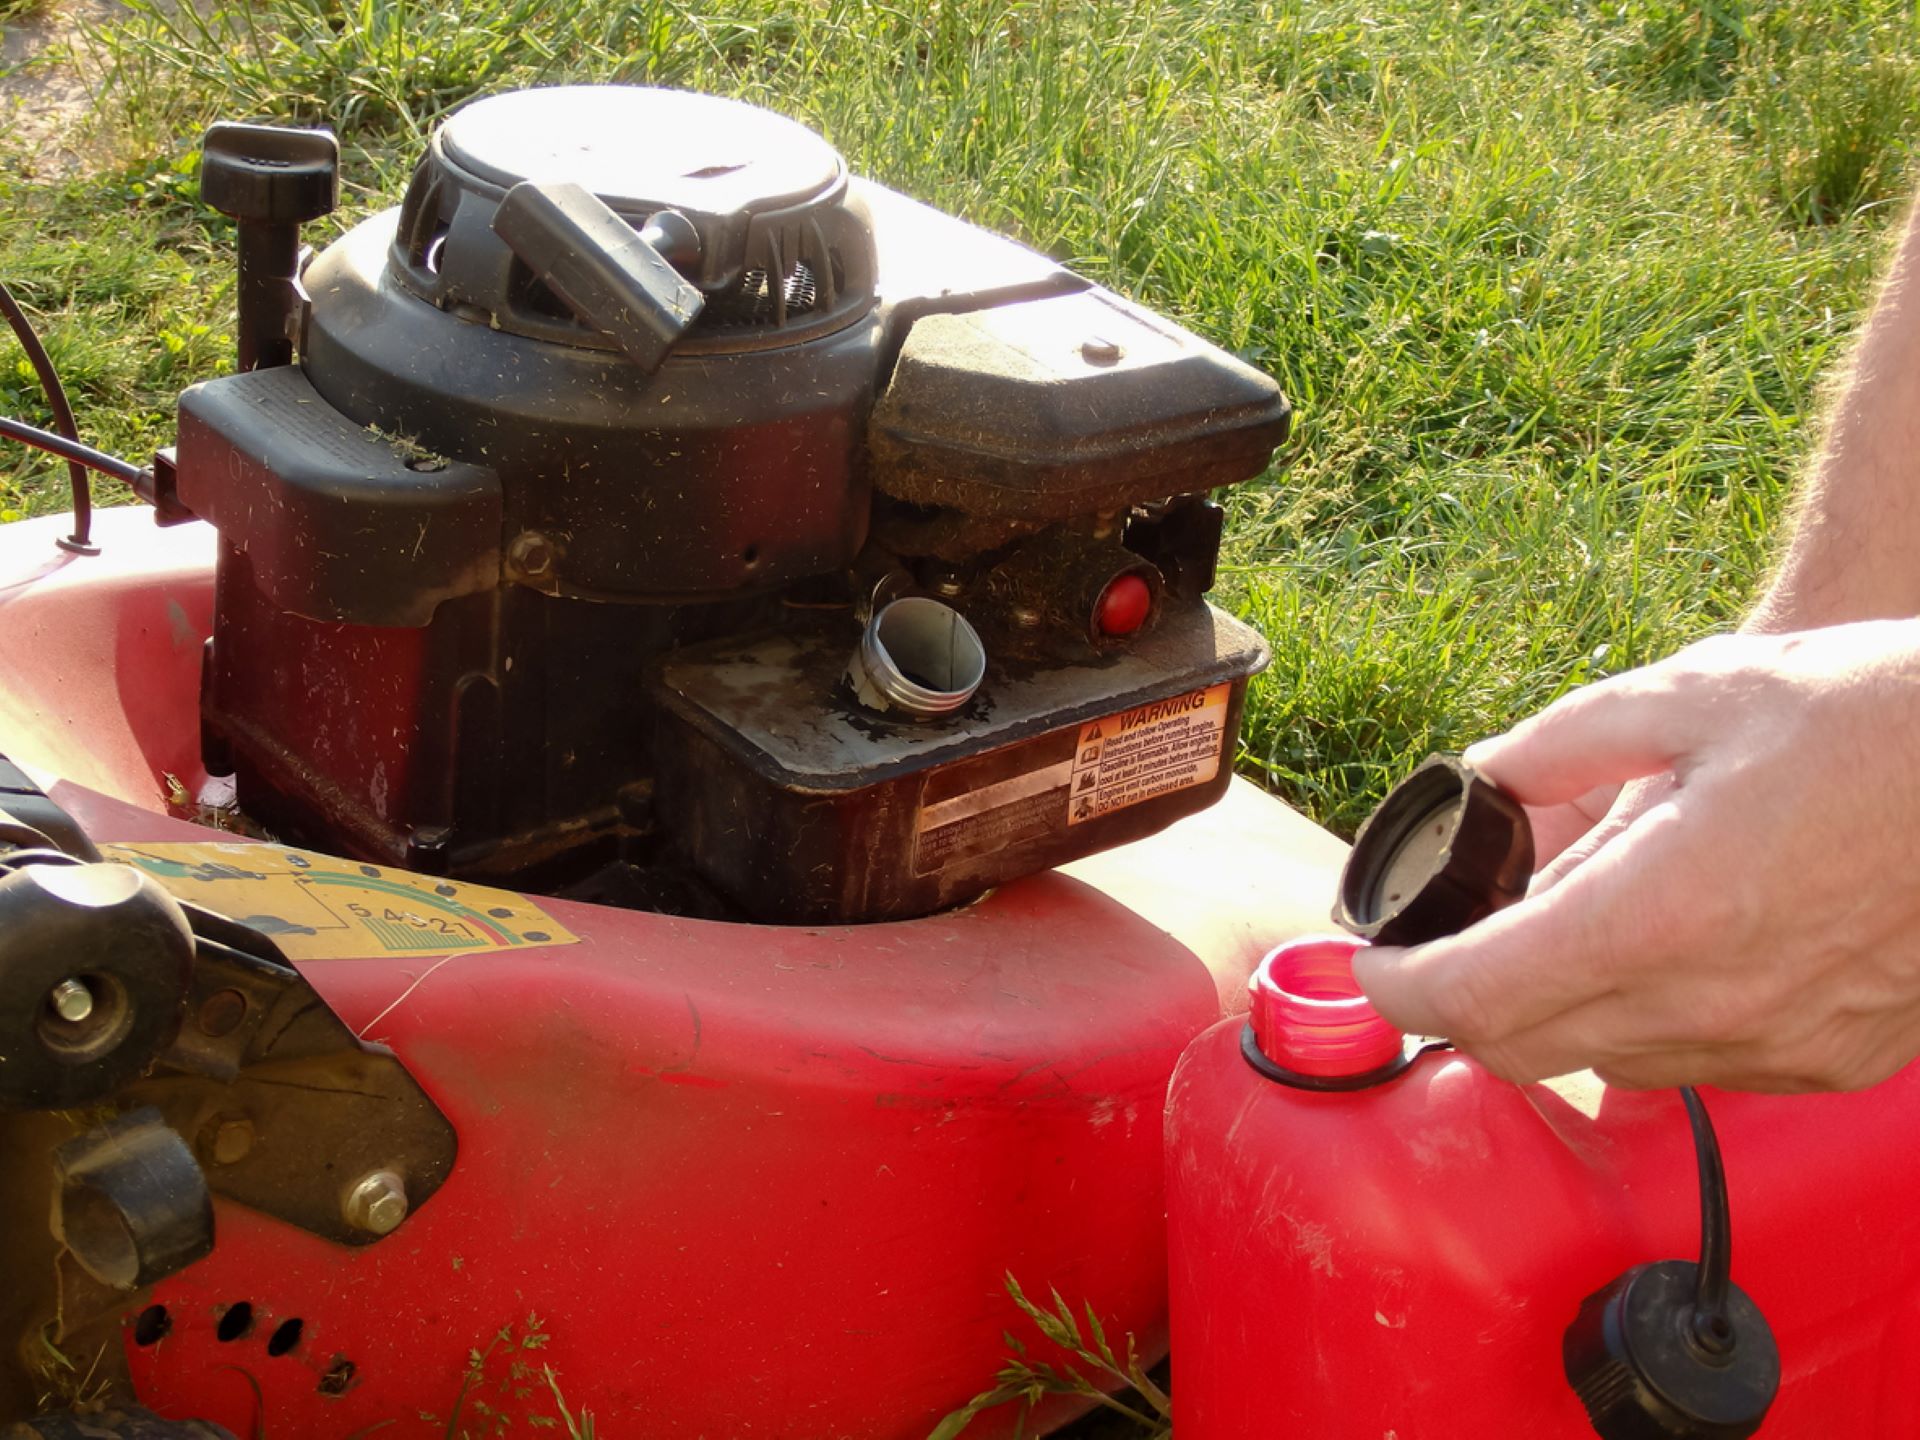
(269,173)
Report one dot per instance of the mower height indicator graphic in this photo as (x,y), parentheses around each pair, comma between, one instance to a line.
(321,907)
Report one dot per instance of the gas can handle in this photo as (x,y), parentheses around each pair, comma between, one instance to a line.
(612,276)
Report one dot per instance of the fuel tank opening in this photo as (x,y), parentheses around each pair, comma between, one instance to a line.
(918,656)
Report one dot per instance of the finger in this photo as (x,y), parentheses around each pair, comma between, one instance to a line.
(1642,1041)
(1629,804)
(1724,1069)
(1576,855)
(1620,729)
(1663,1012)
(1555,827)
(1535,960)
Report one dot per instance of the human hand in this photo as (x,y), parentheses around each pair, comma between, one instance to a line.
(1755,926)
(1565,836)
(1558,827)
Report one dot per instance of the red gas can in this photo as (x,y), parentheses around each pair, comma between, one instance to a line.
(1401,1262)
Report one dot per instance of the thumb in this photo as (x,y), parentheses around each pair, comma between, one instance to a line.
(1625,728)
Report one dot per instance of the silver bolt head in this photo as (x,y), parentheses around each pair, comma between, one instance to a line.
(376,1203)
(72,1001)
(232,1142)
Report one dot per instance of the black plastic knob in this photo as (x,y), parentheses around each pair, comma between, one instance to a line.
(1446,847)
(95,961)
(268,173)
(1638,1360)
(269,179)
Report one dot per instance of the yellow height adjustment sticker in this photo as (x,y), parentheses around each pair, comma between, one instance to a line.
(320,907)
(1148,751)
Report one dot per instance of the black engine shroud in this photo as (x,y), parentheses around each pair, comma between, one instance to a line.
(546,559)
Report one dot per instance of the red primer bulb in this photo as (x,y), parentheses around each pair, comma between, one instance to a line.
(1123,606)
(1308,1013)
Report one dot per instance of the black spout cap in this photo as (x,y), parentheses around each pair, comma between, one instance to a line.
(1446,847)
(269,173)
(1645,1369)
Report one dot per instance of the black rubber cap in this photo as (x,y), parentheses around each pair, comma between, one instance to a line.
(269,173)
(1641,1372)
(1446,847)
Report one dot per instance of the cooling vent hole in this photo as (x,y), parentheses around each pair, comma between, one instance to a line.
(152,1325)
(236,1322)
(761,297)
(285,1336)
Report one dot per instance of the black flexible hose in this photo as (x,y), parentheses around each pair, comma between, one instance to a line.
(1711,1328)
(73,452)
(42,363)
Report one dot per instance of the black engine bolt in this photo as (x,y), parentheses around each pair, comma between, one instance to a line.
(531,554)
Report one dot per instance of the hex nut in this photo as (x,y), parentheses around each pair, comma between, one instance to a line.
(531,553)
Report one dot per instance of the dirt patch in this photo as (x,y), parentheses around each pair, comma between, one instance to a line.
(48,75)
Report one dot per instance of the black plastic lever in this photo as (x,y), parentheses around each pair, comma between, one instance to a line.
(612,276)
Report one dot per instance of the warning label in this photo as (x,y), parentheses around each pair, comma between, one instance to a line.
(1022,807)
(1151,750)
(984,806)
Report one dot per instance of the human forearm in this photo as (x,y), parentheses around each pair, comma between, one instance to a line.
(1855,549)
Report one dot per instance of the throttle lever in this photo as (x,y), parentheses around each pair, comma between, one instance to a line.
(613,277)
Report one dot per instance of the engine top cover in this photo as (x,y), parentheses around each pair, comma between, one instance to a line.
(643,150)
(784,254)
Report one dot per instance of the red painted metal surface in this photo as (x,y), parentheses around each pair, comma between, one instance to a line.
(100,655)
(1402,1261)
(751,1181)
(362,737)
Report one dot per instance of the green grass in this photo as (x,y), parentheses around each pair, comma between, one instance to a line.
(1552,286)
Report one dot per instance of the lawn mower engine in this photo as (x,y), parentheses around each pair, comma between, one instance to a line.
(659,515)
